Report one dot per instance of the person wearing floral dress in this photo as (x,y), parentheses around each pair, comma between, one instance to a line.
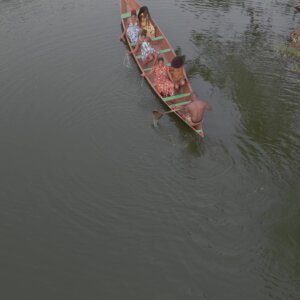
(162,79)
(133,30)
(148,53)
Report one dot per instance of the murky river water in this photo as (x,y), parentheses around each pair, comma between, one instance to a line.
(98,204)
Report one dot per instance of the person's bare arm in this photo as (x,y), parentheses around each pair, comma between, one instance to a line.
(169,74)
(122,35)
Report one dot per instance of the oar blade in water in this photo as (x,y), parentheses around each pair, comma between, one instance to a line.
(156,115)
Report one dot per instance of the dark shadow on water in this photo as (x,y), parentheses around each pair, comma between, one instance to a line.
(196,147)
(282,226)
(193,144)
(253,75)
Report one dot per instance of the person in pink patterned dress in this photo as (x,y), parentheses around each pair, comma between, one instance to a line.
(162,79)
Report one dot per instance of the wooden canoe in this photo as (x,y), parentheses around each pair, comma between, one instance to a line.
(165,50)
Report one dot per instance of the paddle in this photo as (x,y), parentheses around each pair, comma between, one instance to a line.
(156,115)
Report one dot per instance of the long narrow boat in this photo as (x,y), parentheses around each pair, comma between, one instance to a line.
(165,50)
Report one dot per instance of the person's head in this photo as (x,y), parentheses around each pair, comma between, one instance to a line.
(178,61)
(133,15)
(160,61)
(144,33)
(143,12)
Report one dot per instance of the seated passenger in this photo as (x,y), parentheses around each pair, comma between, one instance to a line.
(148,53)
(162,79)
(177,71)
(146,21)
(133,30)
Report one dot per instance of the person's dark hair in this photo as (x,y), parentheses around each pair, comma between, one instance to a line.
(161,59)
(178,61)
(144,33)
(144,10)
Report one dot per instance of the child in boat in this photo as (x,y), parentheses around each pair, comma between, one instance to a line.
(146,21)
(162,79)
(133,30)
(177,71)
(148,53)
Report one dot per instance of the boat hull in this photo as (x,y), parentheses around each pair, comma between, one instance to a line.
(165,50)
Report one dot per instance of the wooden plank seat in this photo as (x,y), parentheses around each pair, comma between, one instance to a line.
(128,14)
(157,38)
(178,96)
(181,103)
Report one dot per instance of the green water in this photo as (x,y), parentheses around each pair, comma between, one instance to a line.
(98,204)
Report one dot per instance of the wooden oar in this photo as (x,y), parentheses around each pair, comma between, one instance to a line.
(156,115)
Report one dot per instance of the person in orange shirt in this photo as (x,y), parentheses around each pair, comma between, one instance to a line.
(177,71)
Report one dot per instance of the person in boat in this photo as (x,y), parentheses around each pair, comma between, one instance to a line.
(295,36)
(133,29)
(194,112)
(148,53)
(146,21)
(162,78)
(177,71)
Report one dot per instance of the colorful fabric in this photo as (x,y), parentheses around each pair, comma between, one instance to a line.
(133,31)
(146,50)
(164,86)
(147,25)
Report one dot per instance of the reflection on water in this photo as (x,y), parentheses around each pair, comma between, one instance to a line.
(98,204)
(244,64)
(257,80)
(284,232)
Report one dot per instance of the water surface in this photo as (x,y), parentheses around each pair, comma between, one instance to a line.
(98,204)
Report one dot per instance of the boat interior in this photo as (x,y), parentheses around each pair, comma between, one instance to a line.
(165,50)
